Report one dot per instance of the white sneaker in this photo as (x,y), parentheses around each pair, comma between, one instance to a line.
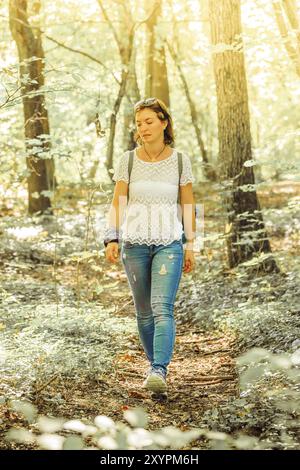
(155,382)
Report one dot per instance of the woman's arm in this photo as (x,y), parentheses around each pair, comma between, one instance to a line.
(117,207)
(187,202)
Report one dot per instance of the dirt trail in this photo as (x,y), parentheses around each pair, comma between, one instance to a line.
(201,375)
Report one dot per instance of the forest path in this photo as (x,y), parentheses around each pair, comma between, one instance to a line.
(201,375)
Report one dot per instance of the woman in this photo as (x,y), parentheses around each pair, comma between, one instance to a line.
(152,251)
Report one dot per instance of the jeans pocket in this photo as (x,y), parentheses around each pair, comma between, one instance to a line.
(177,243)
(127,244)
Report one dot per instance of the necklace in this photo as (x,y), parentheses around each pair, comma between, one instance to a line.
(156,155)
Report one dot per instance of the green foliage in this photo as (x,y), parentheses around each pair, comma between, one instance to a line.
(47,342)
(269,404)
(61,335)
(103,433)
(266,416)
(77,86)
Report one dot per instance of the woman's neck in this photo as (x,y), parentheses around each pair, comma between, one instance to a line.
(154,148)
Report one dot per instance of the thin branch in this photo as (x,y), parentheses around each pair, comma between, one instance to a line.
(11,98)
(77,51)
(44,385)
(85,54)
(111,26)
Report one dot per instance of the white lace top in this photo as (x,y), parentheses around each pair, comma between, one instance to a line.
(151,215)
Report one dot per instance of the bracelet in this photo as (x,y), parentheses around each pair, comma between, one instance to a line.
(106,242)
(112,234)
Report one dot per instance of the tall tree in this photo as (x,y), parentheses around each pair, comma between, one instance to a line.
(156,67)
(287,20)
(245,220)
(36,123)
(133,95)
(124,39)
(208,170)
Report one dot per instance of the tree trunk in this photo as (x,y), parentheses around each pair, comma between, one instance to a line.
(134,94)
(289,6)
(208,170)
(37,133)
(245,220)
(124,40)
(156,68)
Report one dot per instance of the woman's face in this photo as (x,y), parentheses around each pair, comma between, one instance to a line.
(149,127)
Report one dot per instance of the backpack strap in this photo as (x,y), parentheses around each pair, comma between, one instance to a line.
(130,163)
(179,158)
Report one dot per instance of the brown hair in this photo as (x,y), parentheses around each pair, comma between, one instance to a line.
(159,107)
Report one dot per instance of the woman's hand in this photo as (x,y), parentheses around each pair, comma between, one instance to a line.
(189,261)
(112,252)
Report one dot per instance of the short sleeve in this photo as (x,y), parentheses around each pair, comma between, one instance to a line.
(187,172)
(121,171)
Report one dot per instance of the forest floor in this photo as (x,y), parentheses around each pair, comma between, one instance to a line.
(201,375)
(69,338)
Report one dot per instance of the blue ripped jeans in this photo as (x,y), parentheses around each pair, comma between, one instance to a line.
(154,273)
